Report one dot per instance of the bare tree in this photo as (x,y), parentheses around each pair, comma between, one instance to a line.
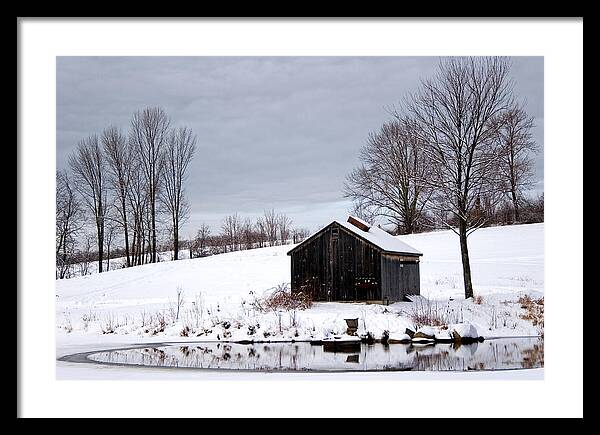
(284,223)
(389,181)
(533,209)
(363,211)
(231,231)
(149,135)
(457,111)
(89,166)
(248,235)
(516,170)
(261,232)
(200,242)
(85,255)
(137,198)
(270,225)
(110,232)
(119,165)
(178,154)
(150,238)
(69,220)
(217,244)
(299,234)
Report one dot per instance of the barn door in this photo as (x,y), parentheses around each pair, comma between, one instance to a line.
(409,279)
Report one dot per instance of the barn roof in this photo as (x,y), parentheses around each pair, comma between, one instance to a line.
(374,235)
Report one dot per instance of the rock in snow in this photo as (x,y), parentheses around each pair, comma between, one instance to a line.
(426,330)
(424,333)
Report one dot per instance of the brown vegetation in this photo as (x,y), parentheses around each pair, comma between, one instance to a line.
(281,298)
(534,310)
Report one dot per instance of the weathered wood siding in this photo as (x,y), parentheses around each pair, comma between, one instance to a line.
(399,277)
(337,266)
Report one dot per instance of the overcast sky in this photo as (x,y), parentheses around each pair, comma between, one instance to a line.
(278,132)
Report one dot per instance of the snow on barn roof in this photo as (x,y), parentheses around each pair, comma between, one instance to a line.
(374,235)
(380,238)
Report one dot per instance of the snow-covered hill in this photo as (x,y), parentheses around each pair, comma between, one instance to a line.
(506,262)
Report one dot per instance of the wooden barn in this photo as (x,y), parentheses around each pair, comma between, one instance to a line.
(354,261)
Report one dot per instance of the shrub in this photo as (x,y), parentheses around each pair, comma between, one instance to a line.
(525,301)
(87,318)
(478,300)
(281,298)
(426,313)
(534,311)
(161,322)
(110,324)
(67,325)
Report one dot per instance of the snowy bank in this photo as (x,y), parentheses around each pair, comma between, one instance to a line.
(219,291)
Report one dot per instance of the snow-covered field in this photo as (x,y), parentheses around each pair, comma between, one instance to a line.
(218,291)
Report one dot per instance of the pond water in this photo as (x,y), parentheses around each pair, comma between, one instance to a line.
(496,354)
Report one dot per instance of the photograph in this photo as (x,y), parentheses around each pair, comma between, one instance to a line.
(323,218)
(299,214)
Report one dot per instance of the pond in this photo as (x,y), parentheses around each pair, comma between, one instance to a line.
(495,354)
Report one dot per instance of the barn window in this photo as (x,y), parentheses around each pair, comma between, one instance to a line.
(335,233)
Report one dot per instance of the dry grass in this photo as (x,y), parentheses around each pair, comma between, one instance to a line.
(281,298)
(427,313)
(67,323)
(478,300)
(534,310)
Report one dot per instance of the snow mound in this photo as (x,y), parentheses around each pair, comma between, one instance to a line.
(464,330)
(398,338)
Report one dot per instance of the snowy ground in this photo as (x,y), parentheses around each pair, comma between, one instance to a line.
(506,263)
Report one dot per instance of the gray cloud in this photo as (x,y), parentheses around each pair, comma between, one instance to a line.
(276,132)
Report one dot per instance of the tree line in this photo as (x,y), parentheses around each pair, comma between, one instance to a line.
(128,188)
(456,153)
(240,233)
(128,183)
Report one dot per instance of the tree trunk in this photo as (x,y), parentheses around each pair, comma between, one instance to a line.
(63,270)
(515,206)
(153,212)
(127,254)
(123,205)
(108,254)
(175,242)
(464,253)
(100,247)
(134,250)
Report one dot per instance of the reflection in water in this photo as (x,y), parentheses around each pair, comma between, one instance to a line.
(489,355)
(353,358)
